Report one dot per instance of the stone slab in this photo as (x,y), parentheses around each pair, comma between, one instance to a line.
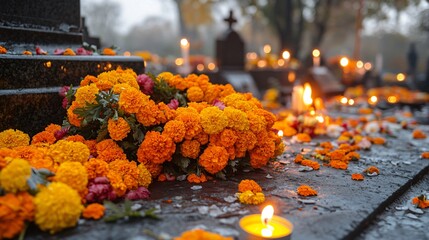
(342,210)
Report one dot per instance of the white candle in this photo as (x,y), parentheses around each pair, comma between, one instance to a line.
(184,46)
(316,58)
(297,99)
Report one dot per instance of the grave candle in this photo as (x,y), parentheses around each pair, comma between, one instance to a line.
(184,46)
(316,58)
(286,57)
(265,226)
(297,103)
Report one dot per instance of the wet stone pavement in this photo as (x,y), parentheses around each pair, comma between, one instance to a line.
(343,209)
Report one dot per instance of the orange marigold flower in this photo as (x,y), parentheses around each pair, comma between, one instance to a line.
(153,168)
(91,144)
(15,209)
(213,120)
(192,121)
(162,177)
(13,138)
(69,52)
(75,138)
(168,114)
(303,137)
(4,153)
(299,158)
(132,99)
(372,170)
(352,156)
(199,234)
(93,211)
(86,95)
(43,137)
(96,168)
(228,137)
(199,106)
(269,117)
(249,185)
(194,178)
(305,190)
(378,140)
(118,129)
(365,111)
(323,151)
(337,155)
(257,122)
(88,80)
(3,50)
(128,171)
(418,134)
(74,175)
(145,177)
(72,117)
(202,138)
(195,94)
(338,164)
(190,149)
(108,150)
(425,155)
(246,141)
(26,52)
(149,114)
(117,183)
(156,148)
(214,159)
(37,157)
(261,153)
(421,201)
(357,177)
(175,130)
(237,119)
(109,52)
(315,165)
(53,128)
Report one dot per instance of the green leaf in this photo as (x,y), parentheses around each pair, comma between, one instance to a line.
(125,211)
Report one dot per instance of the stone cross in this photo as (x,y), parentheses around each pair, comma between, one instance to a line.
(230,20)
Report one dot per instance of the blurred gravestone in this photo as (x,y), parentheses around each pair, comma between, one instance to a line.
(29,85)
(323,82)
(230,59)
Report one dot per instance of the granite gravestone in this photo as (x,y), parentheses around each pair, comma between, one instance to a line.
(230,58)
(29,85)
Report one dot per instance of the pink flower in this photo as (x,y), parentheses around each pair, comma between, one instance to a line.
(99,189)
(174,104)
(59,51)
(218,103)
(83,51)
(65,103)
(63,91)
(60,134)
(146,84)
(40,51)
(138,194)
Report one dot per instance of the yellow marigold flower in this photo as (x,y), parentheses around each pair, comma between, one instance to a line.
(165,76)
(156,148)
(213,120)
(53,128)
(145,178)
(74,175)
(338,164)
(58,206)
(237,119)
(195,94)
(37,157)
(13,178)
(109,52)
(280,148)
(108,150)
(175,130)
(118,129)
(118,88)
(262,152)
(190,149)
(214,159)
(199,106)
(128,171)
(199,234)
(73,118)
(117,183)
(131,100)
(69,52)
(76,138)
(357,177)
(230,99)
(305,190)
(192,121)
(13,138)
(88,80)
(194,178)
(96,168)
(269,117)
(43,137)
(418,134)
(248,197)
(86,95)
(93,211)
(4,153)
(249,185)
(63,151)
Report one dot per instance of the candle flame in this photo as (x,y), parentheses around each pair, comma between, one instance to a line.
(286,54)
(267,214)
(316,53)
(400,77)
(320,119)
(373,100)
(267,48)
(307,95)
(351,102)
(344,62)
(280,133)
(184,42)
(344,100)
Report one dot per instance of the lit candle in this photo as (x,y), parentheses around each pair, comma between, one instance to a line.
(306,96)
(297,102)
(316,58)
(184,46)
(286,57)
(265,226)
(280,133)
